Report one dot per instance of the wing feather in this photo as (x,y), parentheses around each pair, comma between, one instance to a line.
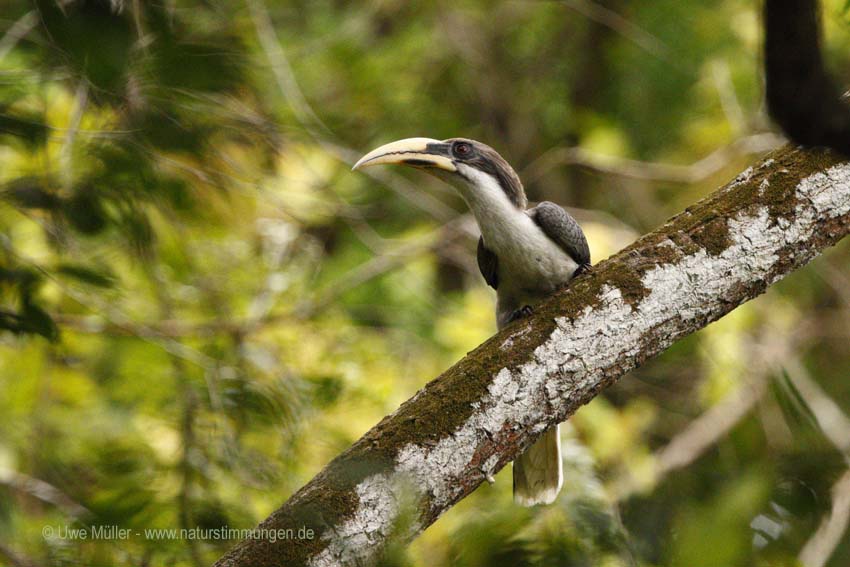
(488,263)
(562,228)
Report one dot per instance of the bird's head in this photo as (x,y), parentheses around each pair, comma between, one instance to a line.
(476,169)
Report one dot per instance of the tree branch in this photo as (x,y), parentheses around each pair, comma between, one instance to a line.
(475,418)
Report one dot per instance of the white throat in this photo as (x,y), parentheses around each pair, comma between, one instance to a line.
(530,263)
(498,218)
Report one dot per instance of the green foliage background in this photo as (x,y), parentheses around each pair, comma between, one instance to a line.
(200,304)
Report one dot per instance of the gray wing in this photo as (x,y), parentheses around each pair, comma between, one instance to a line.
(488,263)
(557,224)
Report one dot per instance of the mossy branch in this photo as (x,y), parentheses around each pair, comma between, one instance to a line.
(477,416)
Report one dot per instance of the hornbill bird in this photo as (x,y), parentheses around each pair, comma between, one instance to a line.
(524,254)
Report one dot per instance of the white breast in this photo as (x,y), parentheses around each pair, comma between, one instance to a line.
(529,261)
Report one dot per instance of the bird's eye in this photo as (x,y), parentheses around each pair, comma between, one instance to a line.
(462,149)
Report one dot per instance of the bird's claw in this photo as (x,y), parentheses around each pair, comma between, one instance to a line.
(523,311)
(583,269)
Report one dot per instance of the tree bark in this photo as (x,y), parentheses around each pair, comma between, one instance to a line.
(476,417)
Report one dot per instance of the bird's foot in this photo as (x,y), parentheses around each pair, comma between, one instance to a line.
(583,269)
(523,311)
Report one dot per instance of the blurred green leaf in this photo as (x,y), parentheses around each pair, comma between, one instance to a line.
(26,127)
(137,229)
(326,390)
(34,319)
(274,402)
(29,316)
(92,37)
(795,408)
(29,193)
(85,274)
(85,211)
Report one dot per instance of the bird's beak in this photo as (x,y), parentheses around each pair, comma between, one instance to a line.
(416,152)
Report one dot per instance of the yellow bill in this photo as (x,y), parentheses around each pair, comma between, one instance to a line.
(415,152)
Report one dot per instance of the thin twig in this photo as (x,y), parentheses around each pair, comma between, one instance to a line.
(110,318)
(652,171)
(14,558)
(830,417)
(830,533)
(16,33)
(835,425)
(169,329)
(699,436)
(614,21)
(722,77)
(188,408)
(705,431)
(43,491)
(715,424)
(310,121)
(385,262)
(66,161)
(281,67)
